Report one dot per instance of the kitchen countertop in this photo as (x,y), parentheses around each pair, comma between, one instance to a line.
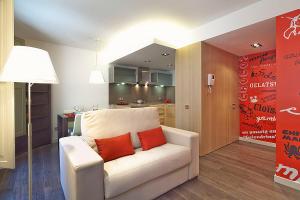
(136,105)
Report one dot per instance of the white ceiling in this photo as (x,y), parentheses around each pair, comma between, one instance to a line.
(153,53)
(238,42)
(77,22)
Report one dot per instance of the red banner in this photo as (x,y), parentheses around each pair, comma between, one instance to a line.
(258,96)
(288,96)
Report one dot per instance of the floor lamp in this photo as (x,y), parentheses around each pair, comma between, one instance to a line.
(29,65)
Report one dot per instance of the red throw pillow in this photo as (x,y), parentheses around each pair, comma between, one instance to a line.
(115,147)
(152,138)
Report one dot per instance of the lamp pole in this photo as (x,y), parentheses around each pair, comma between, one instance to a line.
(29,144)
(29,65)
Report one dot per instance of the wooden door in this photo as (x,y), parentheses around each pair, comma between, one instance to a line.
(214,102)
(219,117)
(41,118)
(41,114)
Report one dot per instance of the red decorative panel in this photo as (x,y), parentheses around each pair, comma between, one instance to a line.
(258,96)
(288,96)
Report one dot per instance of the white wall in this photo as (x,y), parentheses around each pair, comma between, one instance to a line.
(73,66)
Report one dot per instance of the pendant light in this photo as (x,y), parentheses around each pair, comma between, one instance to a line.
(96,76)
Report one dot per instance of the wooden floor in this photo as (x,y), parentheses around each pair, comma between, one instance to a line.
(238,171)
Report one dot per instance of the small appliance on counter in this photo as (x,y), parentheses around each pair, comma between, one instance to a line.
(122,101)
(140,101)
(167,101)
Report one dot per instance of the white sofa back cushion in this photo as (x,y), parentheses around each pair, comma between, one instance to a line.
(108,123)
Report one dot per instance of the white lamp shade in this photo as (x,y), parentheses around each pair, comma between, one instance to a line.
(96,77)
(28,65)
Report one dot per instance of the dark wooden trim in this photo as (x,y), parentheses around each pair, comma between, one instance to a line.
(62,125)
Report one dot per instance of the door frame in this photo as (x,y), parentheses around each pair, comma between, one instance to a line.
(7,114)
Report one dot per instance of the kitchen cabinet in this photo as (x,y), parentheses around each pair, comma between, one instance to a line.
(162,78)
(132,75)
(161,112)
(165,79)
(144,76)
(123,74)
(166,114)
(170,115)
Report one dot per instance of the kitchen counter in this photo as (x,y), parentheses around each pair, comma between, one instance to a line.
(137,105)
(166,111)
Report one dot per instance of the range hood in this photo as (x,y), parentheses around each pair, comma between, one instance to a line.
(144,75)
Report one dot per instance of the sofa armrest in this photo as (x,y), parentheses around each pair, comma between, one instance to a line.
(81,170)
(188,139)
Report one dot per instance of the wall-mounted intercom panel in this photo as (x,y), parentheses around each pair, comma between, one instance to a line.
(210,79)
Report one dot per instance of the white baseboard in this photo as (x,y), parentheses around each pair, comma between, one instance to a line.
(286,182)
(257,142)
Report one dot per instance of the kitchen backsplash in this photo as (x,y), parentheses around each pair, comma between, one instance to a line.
(131,93)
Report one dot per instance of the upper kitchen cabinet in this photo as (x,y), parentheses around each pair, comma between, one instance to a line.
(153,65)
(123,74)
(162,78)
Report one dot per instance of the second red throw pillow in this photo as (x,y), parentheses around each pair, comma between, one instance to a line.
(115,147)
(152,138)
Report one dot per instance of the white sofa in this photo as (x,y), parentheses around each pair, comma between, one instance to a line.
(144,175)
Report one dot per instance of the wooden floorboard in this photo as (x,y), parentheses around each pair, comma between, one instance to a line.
(239,171)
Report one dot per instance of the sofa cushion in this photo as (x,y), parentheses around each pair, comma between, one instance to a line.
(115,147)
(151,138)
(109,123)
(128,172)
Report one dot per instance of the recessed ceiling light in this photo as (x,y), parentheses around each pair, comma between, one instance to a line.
(165,54)
(256,45)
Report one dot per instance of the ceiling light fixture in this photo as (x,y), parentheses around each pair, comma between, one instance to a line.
(165,54)
(96,76)
(256,45)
